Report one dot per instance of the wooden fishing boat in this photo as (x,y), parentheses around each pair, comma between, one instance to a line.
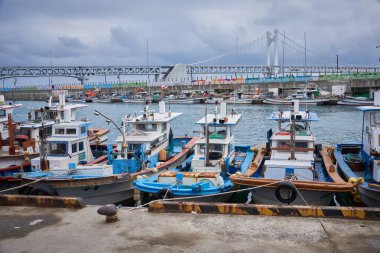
(215,158)
(286,170)
(365,167)
(73,171)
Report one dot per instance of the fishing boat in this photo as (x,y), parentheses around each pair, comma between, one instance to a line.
(291,168)
(15,149)
(355,101)
(360,162)
(144,151)
(215,158)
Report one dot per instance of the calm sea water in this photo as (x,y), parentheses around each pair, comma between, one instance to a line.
(337,123)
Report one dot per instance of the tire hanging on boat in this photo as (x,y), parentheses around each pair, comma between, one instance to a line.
(44,190)
(285,185)
(165,191)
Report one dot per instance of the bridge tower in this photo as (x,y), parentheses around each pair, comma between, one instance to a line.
(272,38)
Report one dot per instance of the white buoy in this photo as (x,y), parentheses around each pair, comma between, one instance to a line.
(161,106)
(296,105)
(223,109)
(67,115)
(376,100)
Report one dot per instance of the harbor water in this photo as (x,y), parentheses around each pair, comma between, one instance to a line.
(337,123)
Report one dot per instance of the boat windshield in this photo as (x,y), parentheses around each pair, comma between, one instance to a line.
(286,146)
(57,148)
(147,127)
(2,113)
(212,148)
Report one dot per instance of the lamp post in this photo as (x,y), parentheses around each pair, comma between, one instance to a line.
(108,120)
(378,47)
(337,64)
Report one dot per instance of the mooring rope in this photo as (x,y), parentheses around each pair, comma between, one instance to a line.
(198,196)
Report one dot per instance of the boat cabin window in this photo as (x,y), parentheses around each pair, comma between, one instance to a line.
(377,117)
(3,113)
(147,127)
(57,148)
(71,131)
(59,131)
(163,127)
(50,115)
(218,133)
(74,148)
(212,148)
(81,146)
(48,130)
(286,145)
(134,146)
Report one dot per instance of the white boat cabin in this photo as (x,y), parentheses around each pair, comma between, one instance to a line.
(292,157)
(371,133)
(50,115)
(4,111)
(147,133)
(69,143)
(221,141)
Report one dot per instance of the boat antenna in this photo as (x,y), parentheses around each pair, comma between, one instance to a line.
(305,72)
(282,79)
(292,136)
(44,163)
(207,139)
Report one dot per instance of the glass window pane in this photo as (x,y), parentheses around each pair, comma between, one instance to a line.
(74,148)
(59,131)
(81,146)
(71,131)
(57,148)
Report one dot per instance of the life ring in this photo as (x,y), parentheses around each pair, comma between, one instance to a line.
(164,191)
(44,190)
(290,187)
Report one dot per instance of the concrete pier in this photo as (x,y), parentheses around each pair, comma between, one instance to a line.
(354,87)
(30,229)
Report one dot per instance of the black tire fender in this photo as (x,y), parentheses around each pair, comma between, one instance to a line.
(290,187)
(164,191)
(44,190)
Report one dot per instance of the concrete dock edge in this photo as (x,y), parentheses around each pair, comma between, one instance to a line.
(362,213)
(41,201)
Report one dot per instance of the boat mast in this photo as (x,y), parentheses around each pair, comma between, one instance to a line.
(11,135)
(207,151)
(44,163)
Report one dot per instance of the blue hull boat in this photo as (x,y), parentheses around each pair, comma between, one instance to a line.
(201,186)
(369,189)
(215,158)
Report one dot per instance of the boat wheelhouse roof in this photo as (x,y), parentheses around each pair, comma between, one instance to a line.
(368,108)
(232,120)
(32,124)
(157,117)
(299,116)
(60,108)
(5,107)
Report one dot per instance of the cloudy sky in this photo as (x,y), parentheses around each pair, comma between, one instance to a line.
(116,32)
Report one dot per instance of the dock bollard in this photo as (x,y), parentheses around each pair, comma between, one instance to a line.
(110,211)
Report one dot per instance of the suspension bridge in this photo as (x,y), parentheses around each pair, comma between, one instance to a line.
(259,58)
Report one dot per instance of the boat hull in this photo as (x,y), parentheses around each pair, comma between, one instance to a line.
(370,197)
(321,101)
(267,196)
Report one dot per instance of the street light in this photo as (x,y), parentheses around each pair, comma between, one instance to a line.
(108,120)
(337,64)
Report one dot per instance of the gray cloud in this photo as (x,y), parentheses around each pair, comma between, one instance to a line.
(115,32)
